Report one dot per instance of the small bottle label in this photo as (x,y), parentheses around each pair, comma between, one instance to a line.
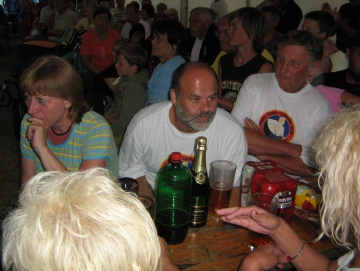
(199,214)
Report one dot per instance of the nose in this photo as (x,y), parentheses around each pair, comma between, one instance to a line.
(205,106)
(32,106)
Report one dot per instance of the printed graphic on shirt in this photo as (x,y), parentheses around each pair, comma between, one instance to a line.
(277,124)
(187,160)
(230,89)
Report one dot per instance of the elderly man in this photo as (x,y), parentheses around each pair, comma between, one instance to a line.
(203,44)
(348,79)
(222,32)
(132,12)
(281,111)
(158,130)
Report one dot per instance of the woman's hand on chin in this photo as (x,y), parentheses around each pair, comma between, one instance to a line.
(37,134)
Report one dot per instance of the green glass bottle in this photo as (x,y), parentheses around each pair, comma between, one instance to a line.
(200,185)
(173,200)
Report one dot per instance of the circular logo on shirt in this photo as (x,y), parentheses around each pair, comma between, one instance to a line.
(277,124)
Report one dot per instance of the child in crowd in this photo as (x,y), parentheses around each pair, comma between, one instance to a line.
(322,25)
(131,90)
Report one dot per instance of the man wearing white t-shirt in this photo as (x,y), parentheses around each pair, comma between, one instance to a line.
(133,17)
(160,129)
(281,112)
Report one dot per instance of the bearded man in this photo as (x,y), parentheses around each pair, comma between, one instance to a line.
(162,128)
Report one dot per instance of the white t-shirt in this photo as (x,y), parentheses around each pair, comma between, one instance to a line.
(195,52)
(345,260)
(150,138)
(339,61)
(127,27)
(220,9)
(293,117)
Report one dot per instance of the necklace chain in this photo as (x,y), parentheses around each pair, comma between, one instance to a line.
(52,129)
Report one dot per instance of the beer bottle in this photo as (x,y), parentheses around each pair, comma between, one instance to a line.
(200,185)
(173,200)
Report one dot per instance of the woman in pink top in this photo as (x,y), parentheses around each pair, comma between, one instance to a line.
(96,47)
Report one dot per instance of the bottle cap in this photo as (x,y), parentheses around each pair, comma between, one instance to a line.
(175,157)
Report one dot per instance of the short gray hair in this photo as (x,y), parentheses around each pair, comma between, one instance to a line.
(313,45)
(205,13)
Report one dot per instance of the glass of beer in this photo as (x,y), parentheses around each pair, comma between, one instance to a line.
(268,203)
(222,174)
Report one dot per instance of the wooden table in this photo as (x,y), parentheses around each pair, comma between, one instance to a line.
(221,246)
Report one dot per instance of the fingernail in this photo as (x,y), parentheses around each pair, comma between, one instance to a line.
(288,258)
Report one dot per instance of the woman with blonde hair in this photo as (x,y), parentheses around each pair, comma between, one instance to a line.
(80,221)
(337,153)
(60,132)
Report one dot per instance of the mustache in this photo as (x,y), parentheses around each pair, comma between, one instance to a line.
(208,114)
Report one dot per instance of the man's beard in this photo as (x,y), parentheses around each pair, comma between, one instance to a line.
(191,120)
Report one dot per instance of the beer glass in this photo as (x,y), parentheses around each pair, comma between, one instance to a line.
(268,203)
(222,174)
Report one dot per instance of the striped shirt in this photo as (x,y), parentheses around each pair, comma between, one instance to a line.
(92,138)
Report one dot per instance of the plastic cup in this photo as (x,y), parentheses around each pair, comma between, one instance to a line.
(268,203)
(222,174)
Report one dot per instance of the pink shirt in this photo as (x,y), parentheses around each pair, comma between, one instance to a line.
(333,95)
(100,51)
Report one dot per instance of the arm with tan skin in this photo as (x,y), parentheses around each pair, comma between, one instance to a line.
(284,237)
(144,187)
(285,154)
(88,64)
(348,98)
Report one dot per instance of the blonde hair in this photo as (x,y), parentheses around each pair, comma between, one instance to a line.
(79,221)
(53,76)
(338,155)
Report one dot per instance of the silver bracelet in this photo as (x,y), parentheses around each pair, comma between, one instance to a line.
(300,250)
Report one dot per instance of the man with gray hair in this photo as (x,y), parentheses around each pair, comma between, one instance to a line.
(203,44)
(162,128)
(281,112)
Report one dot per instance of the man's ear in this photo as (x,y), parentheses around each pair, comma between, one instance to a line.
(313,68)
(173,96)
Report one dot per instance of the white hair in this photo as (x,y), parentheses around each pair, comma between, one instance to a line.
(79,221)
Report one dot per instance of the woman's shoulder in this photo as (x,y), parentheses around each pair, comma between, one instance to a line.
(92,120)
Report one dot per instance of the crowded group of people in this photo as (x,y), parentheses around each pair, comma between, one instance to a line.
(255,85)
